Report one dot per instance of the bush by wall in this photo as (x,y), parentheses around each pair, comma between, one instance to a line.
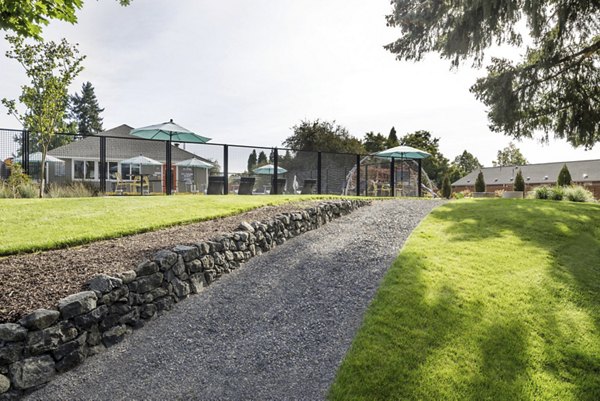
(578,193)
(564,177)
(480,183)
(519,182)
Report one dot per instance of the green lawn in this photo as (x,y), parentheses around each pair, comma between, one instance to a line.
(37,224)
(488,300)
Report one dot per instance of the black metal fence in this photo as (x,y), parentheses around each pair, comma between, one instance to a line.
(117,163)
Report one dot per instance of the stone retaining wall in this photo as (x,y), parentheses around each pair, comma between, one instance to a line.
(47,342)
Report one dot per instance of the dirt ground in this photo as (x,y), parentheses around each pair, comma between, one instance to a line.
(32,281)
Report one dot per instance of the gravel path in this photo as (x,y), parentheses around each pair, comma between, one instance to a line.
(275,329)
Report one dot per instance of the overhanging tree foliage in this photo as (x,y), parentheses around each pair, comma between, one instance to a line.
(554,88)
(26,17)
(51,67)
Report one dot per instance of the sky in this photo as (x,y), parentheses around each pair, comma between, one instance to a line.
(246,72)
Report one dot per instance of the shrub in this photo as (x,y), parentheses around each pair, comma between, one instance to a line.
(541,192)
(480,183)
(16,179)
(564,177)
(458,195)
(556,193)
(519,182)
(446,187)
(578,193)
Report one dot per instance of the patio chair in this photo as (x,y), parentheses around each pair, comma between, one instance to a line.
(216,185)
(308,187)
(279,186)
(246,185)
(137,182)
(120,186)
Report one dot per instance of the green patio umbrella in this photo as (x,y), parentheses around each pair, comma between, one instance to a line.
(196,163)
(169,132)
(269,169)
(403,152)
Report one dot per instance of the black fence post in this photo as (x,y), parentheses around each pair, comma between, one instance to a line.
(102,164)
(319,171)
(419,193)
(392,178)
(357,175)
(225,169)
(274,189)
(25,151)
(169,178)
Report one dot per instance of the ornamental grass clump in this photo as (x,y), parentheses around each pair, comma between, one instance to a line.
(578,193)
(556,193)
(74,190)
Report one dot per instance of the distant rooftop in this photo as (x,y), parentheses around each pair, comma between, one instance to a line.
(543,173)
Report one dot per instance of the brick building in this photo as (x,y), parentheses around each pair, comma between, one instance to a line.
(584,172)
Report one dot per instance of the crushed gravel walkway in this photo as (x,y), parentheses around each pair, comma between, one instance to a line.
(275,329)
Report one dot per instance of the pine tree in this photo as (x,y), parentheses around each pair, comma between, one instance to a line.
(262,159)
(392,139)
(519,182)
(252,161)
(480,183)
(564,177)
(85,111)
(446,187)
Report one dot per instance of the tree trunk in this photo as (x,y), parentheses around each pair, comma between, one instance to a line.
(43,171)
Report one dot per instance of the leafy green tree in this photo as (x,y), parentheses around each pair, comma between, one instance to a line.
(462,165)
(446,187)
(519,182)
(564,177)
(252,160)
(480,183)
(26,17)
(262,159)
(85,111)
(51,67)
(436,166)
(510,156)
(392,139)
(555,86)
(374,142)
(323,136)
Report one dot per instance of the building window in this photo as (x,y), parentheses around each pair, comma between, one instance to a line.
(113,169)
(84,170)
(129,171)
(79,167)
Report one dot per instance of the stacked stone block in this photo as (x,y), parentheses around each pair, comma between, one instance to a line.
(47,342)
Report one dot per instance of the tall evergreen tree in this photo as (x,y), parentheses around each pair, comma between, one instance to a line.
(392,139)
(85,111)
(446,187)
(252,161)
(564,177)
(480,182)
(262,159)
(519,184)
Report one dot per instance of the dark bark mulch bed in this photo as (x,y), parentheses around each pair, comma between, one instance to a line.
(32,281)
